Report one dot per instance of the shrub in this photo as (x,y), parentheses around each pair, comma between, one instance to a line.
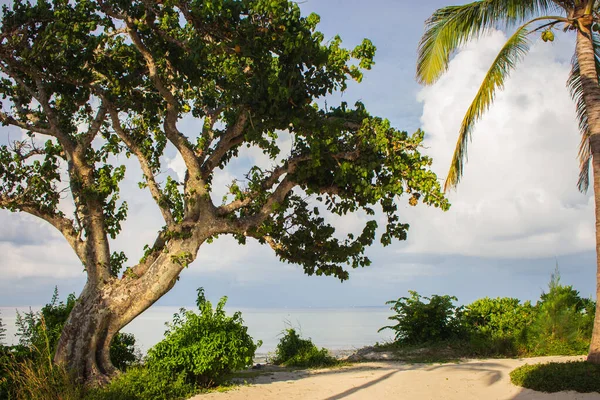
(204,347)
(421,322)
(140,383)
(497,326)
(123,352)
(579,376)
(294,351)
(564,321)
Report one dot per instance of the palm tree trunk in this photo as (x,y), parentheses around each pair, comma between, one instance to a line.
(591,96)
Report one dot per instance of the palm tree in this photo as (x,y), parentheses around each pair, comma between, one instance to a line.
(452,26)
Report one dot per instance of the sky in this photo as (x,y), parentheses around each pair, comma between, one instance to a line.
(516,214)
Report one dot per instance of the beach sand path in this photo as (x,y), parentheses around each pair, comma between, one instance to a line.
(474,379)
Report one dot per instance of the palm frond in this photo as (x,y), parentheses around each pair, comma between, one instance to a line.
(512,51)
(452,26)
(576,89)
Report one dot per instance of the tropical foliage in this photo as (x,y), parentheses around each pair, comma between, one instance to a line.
(421,322)
(451,27)
(560,323)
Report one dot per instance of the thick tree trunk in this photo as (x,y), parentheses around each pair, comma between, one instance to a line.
(103,309)
(591,95)
(84,345)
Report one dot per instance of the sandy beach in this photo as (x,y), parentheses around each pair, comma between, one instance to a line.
(473,379)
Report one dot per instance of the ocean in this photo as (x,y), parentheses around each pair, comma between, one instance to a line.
(332,328)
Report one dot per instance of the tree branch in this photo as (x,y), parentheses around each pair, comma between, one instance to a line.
(10,120)
(95,126)
(195,186)
(277,197)
(155,190)
(41,97)
(232,137)
(63,224)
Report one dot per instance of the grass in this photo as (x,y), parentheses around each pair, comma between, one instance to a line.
(579,376)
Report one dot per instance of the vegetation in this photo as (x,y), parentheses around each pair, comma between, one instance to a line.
(559,324)
(580,376)
(203,348)
(27,370)
(140,383)
(497,326)
(199,350)
(420,322)
(93,82)
(294,351)
(452,26)
(34,376)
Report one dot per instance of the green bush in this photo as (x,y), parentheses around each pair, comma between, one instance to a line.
(204,347)
(564,321)
(294,351)
(497,326)
(141,383)
(559,324)
(422,322)
(579,376)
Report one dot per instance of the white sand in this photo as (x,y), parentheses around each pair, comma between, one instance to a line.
(475,379)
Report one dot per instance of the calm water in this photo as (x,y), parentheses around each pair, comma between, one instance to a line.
(333,328)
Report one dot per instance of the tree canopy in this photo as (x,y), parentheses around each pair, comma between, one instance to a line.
(111,77)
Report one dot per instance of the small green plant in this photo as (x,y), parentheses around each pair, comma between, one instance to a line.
(203,348)
(422,322)
(579,376)
(294,351)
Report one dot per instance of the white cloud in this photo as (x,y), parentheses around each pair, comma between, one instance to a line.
(177,165)
(52,259)
(518,195)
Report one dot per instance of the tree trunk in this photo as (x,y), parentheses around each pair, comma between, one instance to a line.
(591,96)
(84,345)
(594,353)
(103,309)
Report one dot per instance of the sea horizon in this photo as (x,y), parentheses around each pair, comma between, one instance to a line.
(334,328)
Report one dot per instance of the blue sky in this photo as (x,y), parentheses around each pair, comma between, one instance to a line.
(516,213)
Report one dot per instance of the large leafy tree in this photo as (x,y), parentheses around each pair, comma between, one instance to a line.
(90,80)
(450,27)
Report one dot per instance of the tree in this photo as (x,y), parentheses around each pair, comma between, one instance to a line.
(91,80)
(450,27)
